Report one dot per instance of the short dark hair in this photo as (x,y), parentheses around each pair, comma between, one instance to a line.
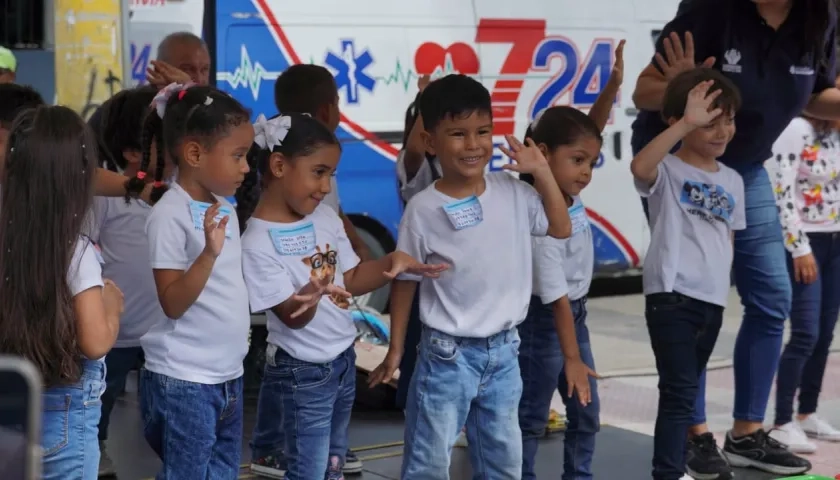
(676,94)
(452,96)
(304,88)
(177,37)
(14,99)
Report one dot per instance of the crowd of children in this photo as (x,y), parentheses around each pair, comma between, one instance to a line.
(147,261)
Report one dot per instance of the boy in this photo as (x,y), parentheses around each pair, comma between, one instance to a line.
(696,204)
(480,224)
(310,89)
(8,66)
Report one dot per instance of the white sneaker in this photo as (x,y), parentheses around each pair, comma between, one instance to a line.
(816,427)
(686,477)
(461,441)
(792,436)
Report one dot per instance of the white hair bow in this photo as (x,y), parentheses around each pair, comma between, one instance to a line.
(271,133)
(163,96)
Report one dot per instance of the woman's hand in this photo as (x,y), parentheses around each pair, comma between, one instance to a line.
(678,59)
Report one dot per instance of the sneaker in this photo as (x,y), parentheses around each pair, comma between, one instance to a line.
(272,466)
(106,465)
(334,469)
(816,427)
(461,441)
(759,450)
(793,437)
(352,464)
(703,460)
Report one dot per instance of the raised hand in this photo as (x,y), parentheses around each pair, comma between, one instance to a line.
(526,158)
(402,262)
(161,74)
(311,294)
(697,106)
(214,233)
(678,59)
(423,82)
(617,72)
(577,378)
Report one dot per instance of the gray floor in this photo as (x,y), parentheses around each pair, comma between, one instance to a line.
(621,453)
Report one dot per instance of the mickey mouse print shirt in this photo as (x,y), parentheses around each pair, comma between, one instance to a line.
(693,213)
(804,169)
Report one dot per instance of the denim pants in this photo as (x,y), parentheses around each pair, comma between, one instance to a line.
(119,362)
(409,358)
(70,425)
(541,363)
(316,400)
(464,381)
(683,332)
(812,320)
(195,428)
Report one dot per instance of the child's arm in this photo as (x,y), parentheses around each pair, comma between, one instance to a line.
(96,304)
(529,159)
(577,372)
(178,283)
(645,165)
(602,108)
(402,296)
(414,148)
(369,276)
(112,184)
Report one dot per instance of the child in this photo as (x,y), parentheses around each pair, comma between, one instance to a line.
(696,204)
(57,312)
(571,141)
(807,162)
(467,371)
(191,385)
(297,262)
(17,98)
(119,230)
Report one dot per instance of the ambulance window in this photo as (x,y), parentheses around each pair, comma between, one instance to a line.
(22,23)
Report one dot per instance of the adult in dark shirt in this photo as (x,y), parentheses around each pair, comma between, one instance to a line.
(781,55)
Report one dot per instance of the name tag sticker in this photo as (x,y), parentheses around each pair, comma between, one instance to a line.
(294,240)
(197,209)
(464,213)
(580,222)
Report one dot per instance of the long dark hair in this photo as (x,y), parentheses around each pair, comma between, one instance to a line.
(122,122)
(47,189)
(304,137)
(200,112)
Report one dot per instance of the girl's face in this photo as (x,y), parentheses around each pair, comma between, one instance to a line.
(572,165)
(306,179)
(222,168)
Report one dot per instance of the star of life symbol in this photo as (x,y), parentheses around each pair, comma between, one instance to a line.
(732,57)
(350,70)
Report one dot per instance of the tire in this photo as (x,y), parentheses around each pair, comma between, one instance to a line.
(378,299)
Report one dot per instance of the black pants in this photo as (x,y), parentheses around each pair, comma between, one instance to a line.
(683,332)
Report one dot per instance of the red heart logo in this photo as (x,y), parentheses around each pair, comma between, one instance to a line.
(431,56)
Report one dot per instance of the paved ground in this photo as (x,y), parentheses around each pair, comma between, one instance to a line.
(628,399)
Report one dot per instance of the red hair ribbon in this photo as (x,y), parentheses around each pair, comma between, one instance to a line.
(141,175)
(181,94)
(158,184)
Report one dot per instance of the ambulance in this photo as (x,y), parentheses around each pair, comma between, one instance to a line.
(530,54)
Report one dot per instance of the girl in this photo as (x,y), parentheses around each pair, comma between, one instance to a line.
(57,311)
(571,141)
(119,231)
(806,164)
(300,268)
(191,385)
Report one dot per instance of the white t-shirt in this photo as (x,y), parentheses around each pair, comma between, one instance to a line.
(488,285)
(692,215)
(315,246)
(85,270)
(331,199)
(119,228)
(424,177)
(208,343)
(565,266)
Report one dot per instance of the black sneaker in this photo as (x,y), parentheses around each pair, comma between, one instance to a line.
(352,464)
(703,460)
(760,451)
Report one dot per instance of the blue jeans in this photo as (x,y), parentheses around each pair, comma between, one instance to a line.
(458,381)
(409,358)
(683,332)
(119,363)
(70,425)
(316,400)
(541,363)
(196,429)
(812,321)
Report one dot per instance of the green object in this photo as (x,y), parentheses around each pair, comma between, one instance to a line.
(7,59)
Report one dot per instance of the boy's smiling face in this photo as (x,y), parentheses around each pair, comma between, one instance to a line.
(463,143)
